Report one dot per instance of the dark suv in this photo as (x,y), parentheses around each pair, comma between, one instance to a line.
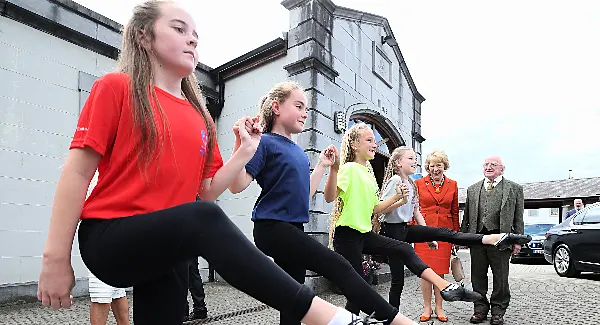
(574,245)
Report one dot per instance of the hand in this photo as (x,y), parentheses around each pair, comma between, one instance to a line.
(336,163)
(433,245)
(249,132)
(327,156)
(57,279)
(516,249)
(402,191)
(405,191)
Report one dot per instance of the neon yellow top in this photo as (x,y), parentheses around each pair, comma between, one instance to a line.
(358,190)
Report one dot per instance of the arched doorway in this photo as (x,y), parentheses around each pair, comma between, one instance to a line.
(386,140)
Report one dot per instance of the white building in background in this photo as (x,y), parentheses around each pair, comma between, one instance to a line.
(51,52)
(544,215)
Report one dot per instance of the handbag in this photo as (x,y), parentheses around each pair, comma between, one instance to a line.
(456,266)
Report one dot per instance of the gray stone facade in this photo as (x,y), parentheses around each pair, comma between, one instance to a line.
(337,54)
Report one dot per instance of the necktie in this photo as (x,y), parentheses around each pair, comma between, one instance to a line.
(490,187)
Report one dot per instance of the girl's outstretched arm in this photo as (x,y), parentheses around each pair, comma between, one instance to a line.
(418,215)
(399,196)
(395,205)
(327,158)
(389,190)
(233,172)
(331,190)
(69,197)
(56,276)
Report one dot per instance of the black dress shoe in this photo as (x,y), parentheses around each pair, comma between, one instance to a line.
(458,292)
(478,318)
(497,320)
(508,240)
(198,314)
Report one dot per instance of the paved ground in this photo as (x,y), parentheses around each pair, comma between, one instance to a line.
(539,297)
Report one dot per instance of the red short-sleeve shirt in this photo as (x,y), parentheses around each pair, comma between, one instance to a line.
(175,172)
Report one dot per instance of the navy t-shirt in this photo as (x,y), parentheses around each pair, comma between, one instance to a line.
(282,170)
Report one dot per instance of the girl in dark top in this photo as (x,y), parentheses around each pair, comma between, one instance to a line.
(282,169)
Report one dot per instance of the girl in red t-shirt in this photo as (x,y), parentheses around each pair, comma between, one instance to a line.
(147,132)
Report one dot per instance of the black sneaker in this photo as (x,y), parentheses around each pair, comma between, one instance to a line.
(458,292)
(508,240)
(198,314)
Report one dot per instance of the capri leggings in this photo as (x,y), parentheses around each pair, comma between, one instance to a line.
(295,252)
(150,252)
(419,234)
(352,244)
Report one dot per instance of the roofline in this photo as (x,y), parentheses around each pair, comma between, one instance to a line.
(253,59)
(552,181)
(353,14)
(63,19)
(88,13)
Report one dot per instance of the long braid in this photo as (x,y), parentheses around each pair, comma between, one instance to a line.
(350,138)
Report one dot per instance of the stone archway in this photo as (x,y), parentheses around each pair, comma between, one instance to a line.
(386,134)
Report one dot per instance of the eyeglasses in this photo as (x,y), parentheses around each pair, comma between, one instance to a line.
(491,164)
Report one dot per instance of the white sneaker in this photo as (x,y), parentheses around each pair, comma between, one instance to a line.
(364,321)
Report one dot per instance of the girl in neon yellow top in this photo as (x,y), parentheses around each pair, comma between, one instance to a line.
(355,188)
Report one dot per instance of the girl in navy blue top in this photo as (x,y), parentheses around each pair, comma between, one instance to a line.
(282,170)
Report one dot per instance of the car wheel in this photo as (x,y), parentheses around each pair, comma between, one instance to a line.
(563,261)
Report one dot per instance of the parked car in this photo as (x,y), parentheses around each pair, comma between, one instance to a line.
(573,246)
(535,248)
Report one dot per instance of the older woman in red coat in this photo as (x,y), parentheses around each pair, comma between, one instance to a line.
(438,199)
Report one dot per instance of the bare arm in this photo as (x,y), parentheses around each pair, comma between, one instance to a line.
(315,178)
(331,190)
(385,204)
(232,171)
(243,179)
(419,216)
(394,206)
(70,194)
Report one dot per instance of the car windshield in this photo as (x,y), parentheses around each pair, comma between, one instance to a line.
(537,229)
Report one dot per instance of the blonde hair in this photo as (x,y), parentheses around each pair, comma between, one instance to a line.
(437,156)
(350,139)
(390,170)
(279,93)
(135,61)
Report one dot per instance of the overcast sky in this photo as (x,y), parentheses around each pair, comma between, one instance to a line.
(518,79)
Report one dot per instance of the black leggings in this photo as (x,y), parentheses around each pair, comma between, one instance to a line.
(295,251)
(419,234)
(151,252)
(352,244)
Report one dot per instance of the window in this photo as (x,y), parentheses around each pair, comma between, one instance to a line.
(578,217)
(86,81)
(418,147)
(592,216)
(534,213)
(554,211)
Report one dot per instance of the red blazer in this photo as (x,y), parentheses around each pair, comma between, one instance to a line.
(439,209)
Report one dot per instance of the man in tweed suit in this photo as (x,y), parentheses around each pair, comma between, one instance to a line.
(493,205)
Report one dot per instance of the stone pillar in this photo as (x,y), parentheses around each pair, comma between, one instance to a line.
(309,53)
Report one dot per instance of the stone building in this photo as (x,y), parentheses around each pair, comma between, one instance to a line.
(52,51)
